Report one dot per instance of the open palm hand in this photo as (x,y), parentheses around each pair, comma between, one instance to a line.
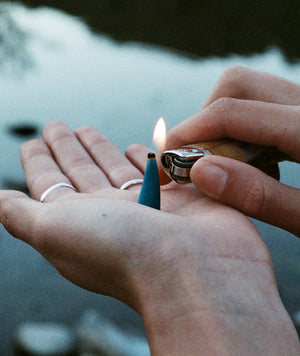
(69,227)
(195,262)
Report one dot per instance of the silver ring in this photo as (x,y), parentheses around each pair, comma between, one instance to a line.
(54,187)
(130,183)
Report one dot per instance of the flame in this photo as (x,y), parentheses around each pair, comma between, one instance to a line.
(160,134)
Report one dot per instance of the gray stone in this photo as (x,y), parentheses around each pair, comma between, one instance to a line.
(296,319)
(44,339)
(99,336)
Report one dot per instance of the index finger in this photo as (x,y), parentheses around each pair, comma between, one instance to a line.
(235,83)
(245,83)
(250,121)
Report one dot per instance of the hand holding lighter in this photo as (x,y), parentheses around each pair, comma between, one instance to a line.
(178,163)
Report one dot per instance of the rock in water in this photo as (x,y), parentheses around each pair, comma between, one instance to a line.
(99,336)
(44,339)
(23,130)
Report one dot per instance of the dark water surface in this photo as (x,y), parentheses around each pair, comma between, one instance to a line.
(200,28)
(52,67)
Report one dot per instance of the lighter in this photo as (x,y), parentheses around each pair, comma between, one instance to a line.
(178,163)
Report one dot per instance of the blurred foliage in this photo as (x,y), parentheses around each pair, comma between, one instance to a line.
(199,27)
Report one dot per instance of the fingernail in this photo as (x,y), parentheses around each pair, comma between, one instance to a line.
(209,178)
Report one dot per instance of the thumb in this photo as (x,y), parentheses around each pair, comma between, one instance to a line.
(18,214)
(249,190)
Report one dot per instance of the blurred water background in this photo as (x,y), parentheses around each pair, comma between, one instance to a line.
(118,66)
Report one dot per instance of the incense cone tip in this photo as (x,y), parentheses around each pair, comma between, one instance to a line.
(151,155)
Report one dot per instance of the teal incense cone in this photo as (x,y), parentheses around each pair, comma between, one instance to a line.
(150,192)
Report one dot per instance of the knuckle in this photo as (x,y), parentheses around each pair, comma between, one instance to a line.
(123,171)
(31,148)
(234,78)
(235,72)
(96,139)
(79,165)
(223,105)
(219,115)
(222,110)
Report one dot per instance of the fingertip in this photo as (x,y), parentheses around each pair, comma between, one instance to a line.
(133,149)
(202,126)
(210,177)
(87,130)
(174,138)
(52,125)
(83,129)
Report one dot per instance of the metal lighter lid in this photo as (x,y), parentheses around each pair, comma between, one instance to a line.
(178,163)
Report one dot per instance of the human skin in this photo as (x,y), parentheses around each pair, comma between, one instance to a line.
(197,271)
(253,107)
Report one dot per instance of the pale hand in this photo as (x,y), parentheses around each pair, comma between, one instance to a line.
(254,107)
(197,268)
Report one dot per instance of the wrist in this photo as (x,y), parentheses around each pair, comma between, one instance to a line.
(196,304)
